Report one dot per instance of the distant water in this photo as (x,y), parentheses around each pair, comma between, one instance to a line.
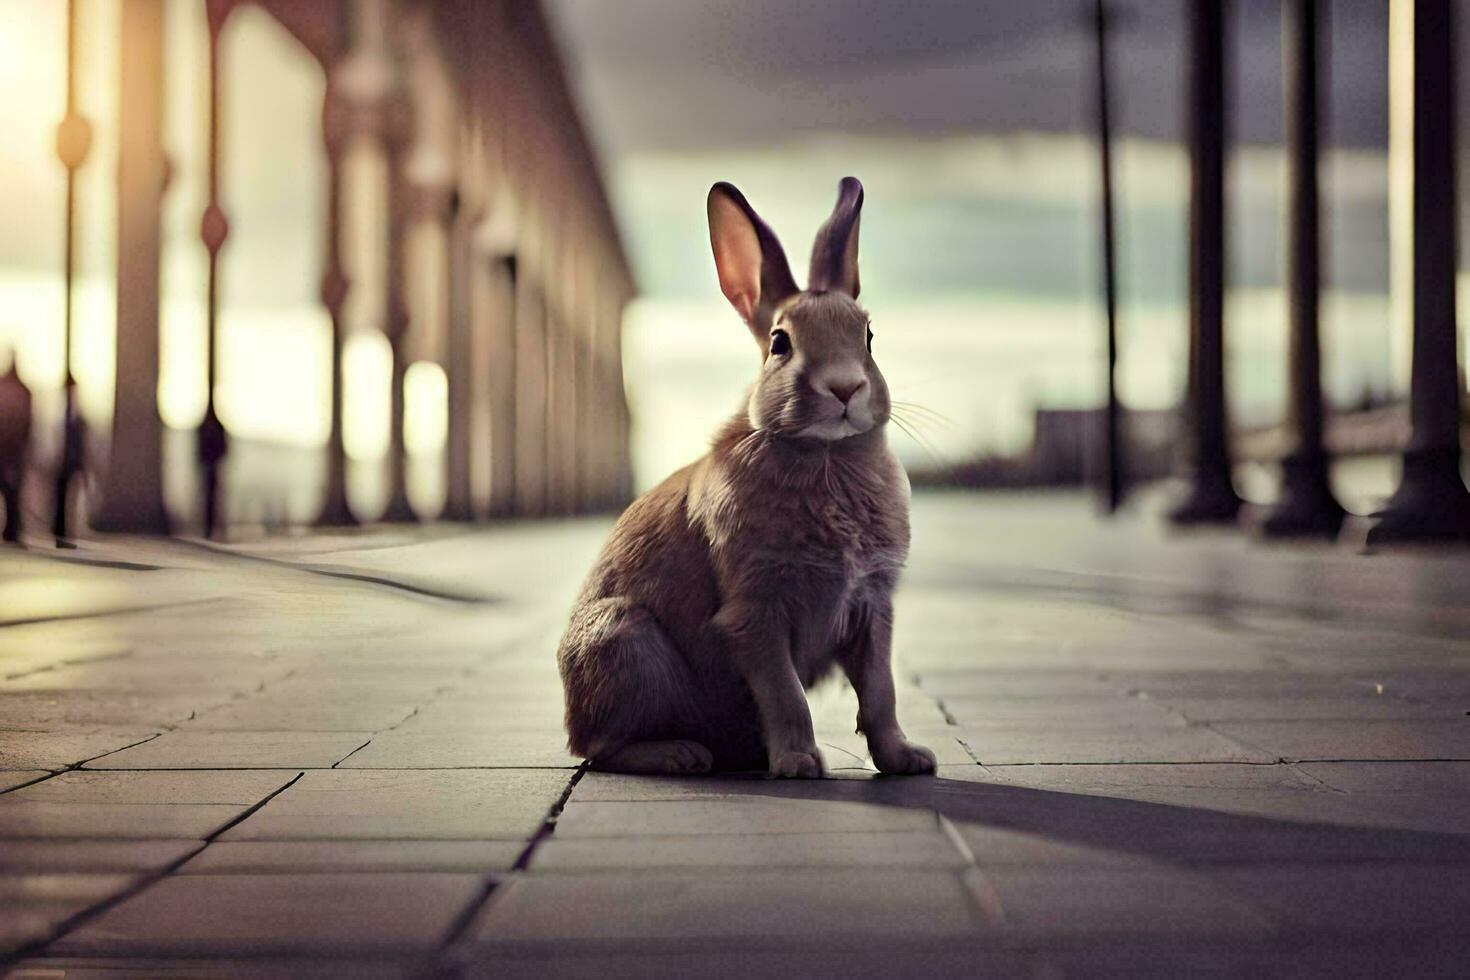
(985,363)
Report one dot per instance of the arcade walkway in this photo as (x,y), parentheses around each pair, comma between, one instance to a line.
(341,755)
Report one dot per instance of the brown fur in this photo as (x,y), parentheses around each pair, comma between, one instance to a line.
(751,574)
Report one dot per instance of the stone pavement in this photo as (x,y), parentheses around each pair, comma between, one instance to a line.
(342,755)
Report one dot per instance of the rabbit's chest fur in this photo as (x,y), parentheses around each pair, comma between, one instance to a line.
(814,538)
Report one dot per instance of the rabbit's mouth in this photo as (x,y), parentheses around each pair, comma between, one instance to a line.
(834,429)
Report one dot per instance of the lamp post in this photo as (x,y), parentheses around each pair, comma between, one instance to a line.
(73,140)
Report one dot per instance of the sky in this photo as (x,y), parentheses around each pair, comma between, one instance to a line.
(970,124)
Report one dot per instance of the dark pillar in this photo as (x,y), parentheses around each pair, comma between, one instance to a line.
(1210,497)
(132,489)
(335,510)
(396,139)
(460,366)
(502,305)
(1432,502)
(213,442)
(1112,454)
(530,391)
(1306,507)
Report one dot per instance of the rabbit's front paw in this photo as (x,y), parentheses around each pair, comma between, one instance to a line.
(903,756)
(796,765)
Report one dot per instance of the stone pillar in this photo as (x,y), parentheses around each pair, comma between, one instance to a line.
(461,364)
(1432,502)
(214,228)
(132,487)
(531,326)
(1210,497)
(553,427)
(1307,506)
(619,421)
(336,131)
(502,304)
(585,463)
(396,135)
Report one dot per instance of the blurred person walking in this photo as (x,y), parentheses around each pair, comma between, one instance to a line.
(72,463)
(15,441)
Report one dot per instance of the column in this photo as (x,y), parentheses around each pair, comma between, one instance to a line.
(502,304)
(620,422)
(132,486)
(1432,502)
(530,392)
(1307,506)
(461,364)
(336,126)
(1210,497)
(553,426)
(396,133)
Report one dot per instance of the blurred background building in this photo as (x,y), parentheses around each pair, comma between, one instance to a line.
(383,218)
(408,186)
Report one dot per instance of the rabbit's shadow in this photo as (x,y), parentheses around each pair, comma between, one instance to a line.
(1170,833)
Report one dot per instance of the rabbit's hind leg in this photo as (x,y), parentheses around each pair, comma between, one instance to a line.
(629,696)
(657,758)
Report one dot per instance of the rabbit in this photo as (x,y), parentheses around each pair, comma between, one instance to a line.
(753,573)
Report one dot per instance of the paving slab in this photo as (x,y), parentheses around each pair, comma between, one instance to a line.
(807,903)
(324,712)
(1121,780)
(10,779)
(238,750)
(241,787)
(92,856)
(324,856)
(775,957)
(1050,900)
(278,915)
(1343,707)
(733,816)
(318,967)
(25,923)
(1416,897)
(471,749)
(1060,713)
(1210,682)
(463,804)
(60,749)
(41,709)
(1036,744)
(1393,778)
(1359,739)
(902,849)
(1014,685)
(137,821)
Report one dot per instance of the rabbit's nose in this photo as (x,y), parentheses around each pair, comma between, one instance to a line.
(845,390)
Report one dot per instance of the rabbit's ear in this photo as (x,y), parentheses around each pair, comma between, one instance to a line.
(754,275)
(834,256)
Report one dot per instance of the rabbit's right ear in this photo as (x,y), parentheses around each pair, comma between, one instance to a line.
(754,274)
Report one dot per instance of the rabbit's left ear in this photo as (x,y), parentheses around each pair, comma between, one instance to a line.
(834,256)
(754,274)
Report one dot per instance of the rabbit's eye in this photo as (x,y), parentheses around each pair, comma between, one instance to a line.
(780,343)
(870,340)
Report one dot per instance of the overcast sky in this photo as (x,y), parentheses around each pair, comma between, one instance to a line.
(663,74)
